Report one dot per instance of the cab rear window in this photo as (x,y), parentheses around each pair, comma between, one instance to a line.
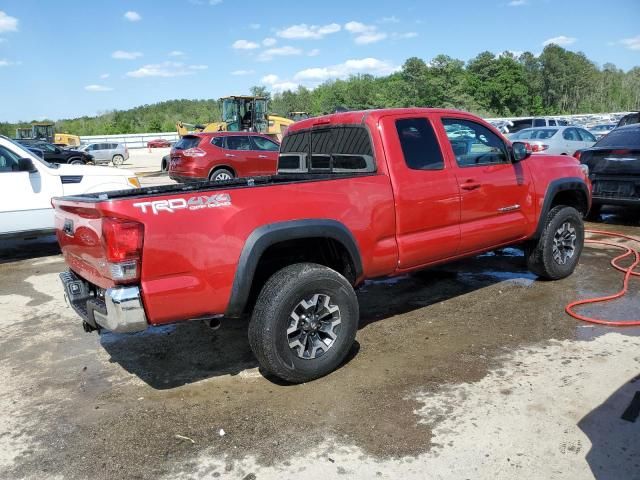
(340,149)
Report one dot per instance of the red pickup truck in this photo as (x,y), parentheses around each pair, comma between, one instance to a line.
(358,195)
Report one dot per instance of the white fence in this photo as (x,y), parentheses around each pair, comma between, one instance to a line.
(131,140)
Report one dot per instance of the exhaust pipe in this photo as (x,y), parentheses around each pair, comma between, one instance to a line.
(214,323)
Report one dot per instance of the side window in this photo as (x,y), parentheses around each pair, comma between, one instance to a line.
(8,161)
(419,144)
(552,123)
(293,153)
(571,134)
(539,122)
(261,143)
(474,144)
(321,149)
(586,136)
(238,142)
(217,142)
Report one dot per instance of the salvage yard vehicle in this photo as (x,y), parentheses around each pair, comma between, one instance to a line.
(614,166)
(27,184)
(222,156)
(107,152)
(158,143)
(371,194)
(555,140)
(522,123)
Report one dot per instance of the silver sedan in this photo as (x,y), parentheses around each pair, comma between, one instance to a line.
(555,140)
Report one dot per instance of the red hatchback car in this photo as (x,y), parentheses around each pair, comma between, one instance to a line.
(220,156)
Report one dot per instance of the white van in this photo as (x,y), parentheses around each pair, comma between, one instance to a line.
(27,184)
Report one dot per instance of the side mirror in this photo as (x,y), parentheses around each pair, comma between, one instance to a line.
(520,151)
(26,165)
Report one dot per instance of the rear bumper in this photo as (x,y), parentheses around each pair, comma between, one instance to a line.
(185,179)
(119,309)
(624,202)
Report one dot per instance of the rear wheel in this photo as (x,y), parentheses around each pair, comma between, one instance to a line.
(165,163)
(118,160)
(557,252)
(304,322)
(221,175)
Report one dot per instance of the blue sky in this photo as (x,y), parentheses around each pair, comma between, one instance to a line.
(73,57)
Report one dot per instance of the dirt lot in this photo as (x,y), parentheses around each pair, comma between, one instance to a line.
(471,371)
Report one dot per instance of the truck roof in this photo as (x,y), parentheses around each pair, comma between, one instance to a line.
(360,116)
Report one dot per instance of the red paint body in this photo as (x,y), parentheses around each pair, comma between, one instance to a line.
(401,219)
(158,143)
(217,151)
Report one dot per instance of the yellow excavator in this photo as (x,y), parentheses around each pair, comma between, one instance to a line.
(44,131)
(242,113)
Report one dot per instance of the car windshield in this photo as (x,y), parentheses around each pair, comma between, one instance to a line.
(621,138)
(535,134)
(24,153)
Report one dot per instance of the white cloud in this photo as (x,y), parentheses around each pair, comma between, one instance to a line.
(104,75)
(8,23)
(254,26)
(313,53)
(304,31)
(269,79)
(176,53)
(517,3)
(364,34)
(166,69)
(132,16)
(275,85)
(269,42)
(243,72)
(245,45)
(284,51)
(561,40)
(369,65)
(631,43)
(123,55)
(5,63)
(391,19)
(97,88)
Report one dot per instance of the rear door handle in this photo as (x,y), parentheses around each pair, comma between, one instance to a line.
(262,156)
(470,185)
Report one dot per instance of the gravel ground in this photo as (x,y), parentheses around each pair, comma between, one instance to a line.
(469,371)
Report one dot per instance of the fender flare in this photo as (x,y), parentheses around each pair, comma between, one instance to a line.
(555,187)
(268,235)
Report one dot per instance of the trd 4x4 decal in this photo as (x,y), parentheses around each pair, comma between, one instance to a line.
(191,203)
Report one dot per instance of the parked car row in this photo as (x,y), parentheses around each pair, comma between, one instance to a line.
(556,140)
(96,153)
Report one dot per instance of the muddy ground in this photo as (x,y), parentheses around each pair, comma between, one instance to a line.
(469,371)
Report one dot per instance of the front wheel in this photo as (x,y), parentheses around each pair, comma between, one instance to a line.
(76,161)
(118,160)
(556,253)
(304,322)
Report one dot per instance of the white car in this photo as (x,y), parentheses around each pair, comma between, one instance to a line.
(555,140)
(27,184)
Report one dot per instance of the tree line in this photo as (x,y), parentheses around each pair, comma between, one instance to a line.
(556,82)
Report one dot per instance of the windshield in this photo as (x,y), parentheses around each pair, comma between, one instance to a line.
(535,134)
(24,153)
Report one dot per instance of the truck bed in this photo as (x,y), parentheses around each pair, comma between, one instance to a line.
(235,183)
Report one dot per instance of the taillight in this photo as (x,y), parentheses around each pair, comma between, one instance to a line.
(536,147)
(122,241)
(194,152)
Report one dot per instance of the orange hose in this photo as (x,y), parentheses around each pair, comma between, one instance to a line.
(628,273)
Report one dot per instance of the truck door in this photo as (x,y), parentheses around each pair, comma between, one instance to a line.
(25,196)
(425,188)
(497,194)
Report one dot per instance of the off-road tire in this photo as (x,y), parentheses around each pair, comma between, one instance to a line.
(117,160)
(221,172)
(540,254)
(271,317)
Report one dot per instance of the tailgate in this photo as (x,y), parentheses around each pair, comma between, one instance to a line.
(79,231)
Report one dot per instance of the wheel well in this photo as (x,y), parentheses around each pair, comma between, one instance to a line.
(220,167)
(571,198)
(324,251)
